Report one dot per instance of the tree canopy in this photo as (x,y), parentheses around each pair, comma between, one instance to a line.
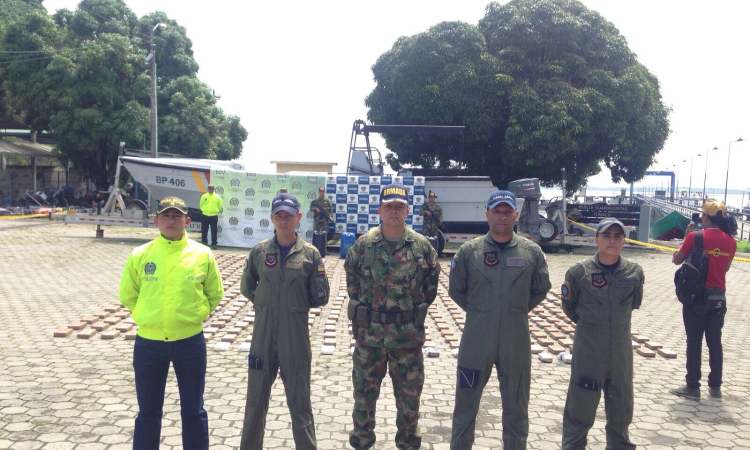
(88,83)
(539,84)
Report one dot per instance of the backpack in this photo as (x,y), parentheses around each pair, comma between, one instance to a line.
(690,278)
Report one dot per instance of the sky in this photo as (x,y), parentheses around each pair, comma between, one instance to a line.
(297,72)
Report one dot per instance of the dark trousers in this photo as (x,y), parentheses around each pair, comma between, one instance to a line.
(710,325)
(151,362)
(213,222)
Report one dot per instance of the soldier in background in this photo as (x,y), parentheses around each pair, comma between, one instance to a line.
(392,277)
(433,216)
(323,210)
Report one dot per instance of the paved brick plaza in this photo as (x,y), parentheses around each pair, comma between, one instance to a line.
(72,393)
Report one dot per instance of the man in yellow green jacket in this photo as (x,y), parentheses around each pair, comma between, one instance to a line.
(170,286)
(211,206)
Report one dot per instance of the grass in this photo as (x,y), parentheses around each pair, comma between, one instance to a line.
(743,246)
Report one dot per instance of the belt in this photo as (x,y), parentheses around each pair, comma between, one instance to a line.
(391,317)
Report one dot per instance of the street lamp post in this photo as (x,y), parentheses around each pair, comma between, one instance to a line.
(678,179)
(690,185)
(726,183)
(705,169)
(154,115)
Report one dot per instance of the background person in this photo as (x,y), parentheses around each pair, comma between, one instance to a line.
(170,285)
(211,205)
(720,247)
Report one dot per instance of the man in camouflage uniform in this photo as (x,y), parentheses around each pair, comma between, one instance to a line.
(392,277)
(433,216)
(323,210)
(599,295)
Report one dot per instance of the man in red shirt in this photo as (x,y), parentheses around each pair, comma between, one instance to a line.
(719,246)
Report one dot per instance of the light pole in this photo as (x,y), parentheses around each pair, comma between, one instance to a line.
(705,169)
(679,165)
(690,186)
(726,183)
(152,59)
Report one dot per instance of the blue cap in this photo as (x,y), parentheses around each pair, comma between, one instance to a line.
(393,193)
(285,202)
(501,197)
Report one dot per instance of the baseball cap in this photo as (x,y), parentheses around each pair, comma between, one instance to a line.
(285,202)
(172,203)
(498,197)
(712,208)
(604,225)
(432,194)
(393,193)
(210,186)
(321,189)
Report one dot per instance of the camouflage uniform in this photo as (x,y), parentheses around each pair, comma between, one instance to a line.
(430,227)
(601,304)
(392,281)
(326,211)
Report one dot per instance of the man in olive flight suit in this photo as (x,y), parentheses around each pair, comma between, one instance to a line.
(599,295)
(284,276)
(392,278)
(497,279)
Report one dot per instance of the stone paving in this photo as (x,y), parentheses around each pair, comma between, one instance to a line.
(73,393)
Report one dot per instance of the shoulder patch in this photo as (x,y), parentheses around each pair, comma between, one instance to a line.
(454,263)
(271,259)
(244,269)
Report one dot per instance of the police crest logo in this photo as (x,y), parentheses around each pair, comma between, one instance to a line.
(218,229)
(362,228)
(219,171)
(490,258)
(310,215)
(233,221)
(311,195)
(598,279)
(150,268)
(353,180)
(281,177)
(352,217)
(297,186)
(265,184)
(235,182)
(250,175)
(298,225)
(341,188)
(250,193)
(221,211)
(249,212)
(339,227)
(271,259)
(219,190)
(419,180)
(309,234)
(264,223)
(248,231)
(312,178)
(363,208)
(374,199)
(234,202)
(352,199)
(330,180)
(363,189)
(340,208)
(265,204)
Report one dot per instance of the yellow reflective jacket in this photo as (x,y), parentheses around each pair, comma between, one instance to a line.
(211,204)
(170,287)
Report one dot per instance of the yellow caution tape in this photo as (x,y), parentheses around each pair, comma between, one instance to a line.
(658,247)
(28,216)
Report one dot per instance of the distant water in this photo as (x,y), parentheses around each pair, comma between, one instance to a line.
(735,200)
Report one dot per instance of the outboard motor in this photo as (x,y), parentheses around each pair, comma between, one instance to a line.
(528,217)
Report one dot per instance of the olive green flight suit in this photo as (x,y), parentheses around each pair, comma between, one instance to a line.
(497,289)
(601,304)
(283,293)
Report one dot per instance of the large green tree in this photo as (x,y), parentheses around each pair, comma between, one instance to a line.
(88,84)
(11,10)
(539,84)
